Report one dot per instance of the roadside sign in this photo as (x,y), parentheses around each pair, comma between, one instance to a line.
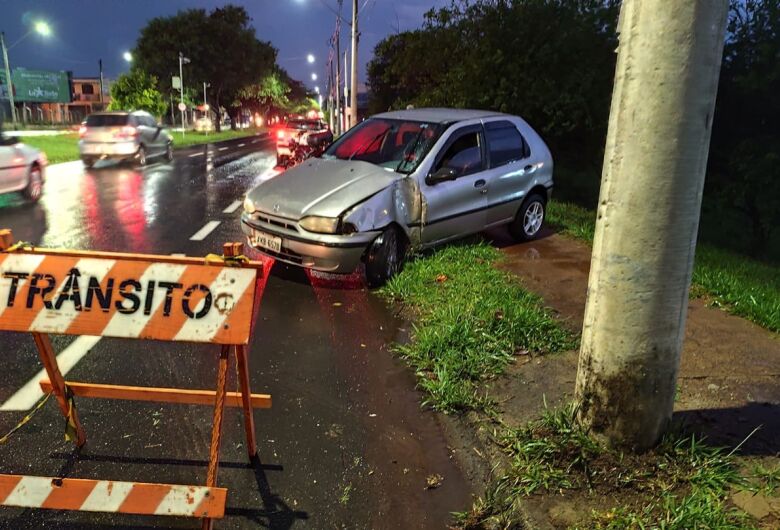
(42,86)
(182,107)
(127,299)
(176,81)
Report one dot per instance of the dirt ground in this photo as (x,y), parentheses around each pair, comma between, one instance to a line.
(729,381)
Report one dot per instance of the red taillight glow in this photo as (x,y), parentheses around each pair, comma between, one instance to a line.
(280,134)
(126,132)
(82,131)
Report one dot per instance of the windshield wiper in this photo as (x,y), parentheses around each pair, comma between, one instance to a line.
(365,147)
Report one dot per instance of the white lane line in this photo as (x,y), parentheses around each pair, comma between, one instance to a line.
(177,255)
(196,154)
(255,141)
(201,234)
(235,205)
(223,148)
(241,145)
(31,392)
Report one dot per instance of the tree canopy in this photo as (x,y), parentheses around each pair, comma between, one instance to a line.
(137,90)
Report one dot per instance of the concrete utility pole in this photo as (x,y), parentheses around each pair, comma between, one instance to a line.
(339,128)
(353,110)
(8,84)
(656,154)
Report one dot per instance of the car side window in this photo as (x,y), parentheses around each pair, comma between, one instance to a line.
(464,154)
(505,143)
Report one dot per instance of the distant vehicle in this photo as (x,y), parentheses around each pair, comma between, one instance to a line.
(123,136)
(311,133)
(403,180)
(204,124)
(22,168)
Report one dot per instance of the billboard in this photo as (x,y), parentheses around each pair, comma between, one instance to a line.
(41,86)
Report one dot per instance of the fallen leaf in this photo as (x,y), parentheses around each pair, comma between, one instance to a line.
(433,481)
(337,304)
(441,278)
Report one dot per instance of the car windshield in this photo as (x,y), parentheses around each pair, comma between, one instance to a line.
(106,120)
(398,145)
(304,125)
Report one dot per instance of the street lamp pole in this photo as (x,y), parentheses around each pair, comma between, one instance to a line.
(182,61)
(8,84)
(354,81)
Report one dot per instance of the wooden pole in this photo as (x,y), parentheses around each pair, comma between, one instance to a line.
(216,430)
(246,396)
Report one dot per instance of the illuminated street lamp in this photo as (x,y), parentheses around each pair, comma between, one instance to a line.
(127,56)
(40,27)
(310,58)
(317,89)
(313,77)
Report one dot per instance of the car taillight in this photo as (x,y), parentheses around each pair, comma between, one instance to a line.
(82,131)
(280,135)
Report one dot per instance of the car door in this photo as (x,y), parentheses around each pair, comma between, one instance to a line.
(456,207)
(510,170)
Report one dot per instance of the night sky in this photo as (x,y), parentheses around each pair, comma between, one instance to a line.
(84,31)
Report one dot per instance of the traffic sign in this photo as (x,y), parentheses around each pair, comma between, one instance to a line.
(182,107)
(176,82)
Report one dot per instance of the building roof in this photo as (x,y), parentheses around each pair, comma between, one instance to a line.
(438,115)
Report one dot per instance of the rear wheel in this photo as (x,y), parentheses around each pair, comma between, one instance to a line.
(34,188)
(141,155)
(88,161)
(384,257)
(529,219)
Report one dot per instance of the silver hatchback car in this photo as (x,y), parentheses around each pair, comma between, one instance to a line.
(402,181)
(124,136)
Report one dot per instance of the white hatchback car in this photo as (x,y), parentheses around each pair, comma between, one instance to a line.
(22,168)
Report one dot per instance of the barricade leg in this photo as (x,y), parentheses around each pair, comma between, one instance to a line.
(246,398)
(49,361)
(216,430)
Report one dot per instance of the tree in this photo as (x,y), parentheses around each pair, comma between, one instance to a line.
(221,45)
(137,90)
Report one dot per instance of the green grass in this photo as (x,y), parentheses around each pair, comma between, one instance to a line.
(741,285)
(58,148)
(64,147)
(470,320)
(681,484)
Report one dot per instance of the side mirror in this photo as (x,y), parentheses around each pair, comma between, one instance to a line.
(442,175)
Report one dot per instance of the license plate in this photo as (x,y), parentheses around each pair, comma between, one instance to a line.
(267,241)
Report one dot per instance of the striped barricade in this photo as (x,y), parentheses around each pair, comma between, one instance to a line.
(135,296)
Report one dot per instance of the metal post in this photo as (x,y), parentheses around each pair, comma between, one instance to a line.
(181,90)
(346,96)
(8,83)
(100,65)
(666,79)
(339,128)
(353,110)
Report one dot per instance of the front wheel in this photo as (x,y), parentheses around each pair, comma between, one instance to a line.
(34,188)
(529,219)
(384,257)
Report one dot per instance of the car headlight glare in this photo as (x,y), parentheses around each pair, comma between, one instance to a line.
(249,206)
(320,225)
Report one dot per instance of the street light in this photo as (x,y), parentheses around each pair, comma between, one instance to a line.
(40,27)
(317,89)
(310,58)
(313,77)
(182,61)
(127,56)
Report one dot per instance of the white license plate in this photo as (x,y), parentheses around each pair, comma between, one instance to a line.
(267,241)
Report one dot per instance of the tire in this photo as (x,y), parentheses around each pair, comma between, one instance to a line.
(169,152)
(88,161)
(529,219)
(34,188)
(384,258)
(141,155)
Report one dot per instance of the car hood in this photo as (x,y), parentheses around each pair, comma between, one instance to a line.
(320,187)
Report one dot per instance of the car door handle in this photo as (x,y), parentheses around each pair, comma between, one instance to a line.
(480,183)
(530,168)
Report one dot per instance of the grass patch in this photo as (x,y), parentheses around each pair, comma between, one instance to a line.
(58,147)
(681,484)
(470,320)
(64,147)
(741,285)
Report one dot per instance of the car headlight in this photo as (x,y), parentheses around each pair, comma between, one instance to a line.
(320,225)
(249,206)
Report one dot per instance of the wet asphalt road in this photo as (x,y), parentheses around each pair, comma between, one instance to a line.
(345,445)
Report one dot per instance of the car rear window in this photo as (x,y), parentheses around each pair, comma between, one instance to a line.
(303,125)
(106,120)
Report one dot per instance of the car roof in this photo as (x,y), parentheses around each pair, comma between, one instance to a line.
(438,115)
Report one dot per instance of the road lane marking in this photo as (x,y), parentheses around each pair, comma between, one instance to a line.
(178,255)
(241,145)
(201,234)
(223,148)
(196,154)
(235,205)
(31,392)
(255,141)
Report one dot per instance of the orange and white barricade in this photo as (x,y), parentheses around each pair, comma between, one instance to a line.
(44,291)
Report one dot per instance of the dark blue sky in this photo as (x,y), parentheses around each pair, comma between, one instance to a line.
(85,30)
